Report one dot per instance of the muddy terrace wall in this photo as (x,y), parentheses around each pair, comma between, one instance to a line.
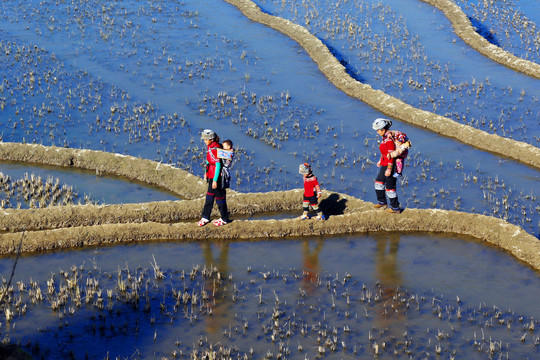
(14,220)
(389,105)
(91,225)
(464,29)
(149,172)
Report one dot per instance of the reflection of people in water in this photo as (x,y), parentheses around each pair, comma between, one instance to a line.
(386,266)
(219,299)
(311,265)
(389,277)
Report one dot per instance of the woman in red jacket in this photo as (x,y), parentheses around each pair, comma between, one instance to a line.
(212,176)
(385,182)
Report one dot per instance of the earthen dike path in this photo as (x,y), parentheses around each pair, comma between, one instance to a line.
(91,225)
(62,227)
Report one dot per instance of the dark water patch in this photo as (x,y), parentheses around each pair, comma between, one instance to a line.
(484,31)
(350,69)
(395,295)
(265,10)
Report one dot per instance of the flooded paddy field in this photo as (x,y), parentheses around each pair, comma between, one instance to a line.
(143,78)
(25,186)
(511,25)
(387,295)
(382,44)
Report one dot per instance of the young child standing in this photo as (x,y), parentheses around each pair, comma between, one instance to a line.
(228,154)
(312,192)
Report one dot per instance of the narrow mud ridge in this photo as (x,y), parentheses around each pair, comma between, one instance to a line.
(164,176)
(509,237)
(13,220)
(65,227)
(389,105)
(464,29)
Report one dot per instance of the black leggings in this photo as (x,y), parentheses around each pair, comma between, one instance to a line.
(220,195)
(385,186)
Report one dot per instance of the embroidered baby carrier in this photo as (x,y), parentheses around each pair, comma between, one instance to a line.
(226,157)
(402,143)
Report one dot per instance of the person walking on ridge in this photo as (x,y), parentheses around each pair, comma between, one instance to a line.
(312,192)
(212,176)
(385,182)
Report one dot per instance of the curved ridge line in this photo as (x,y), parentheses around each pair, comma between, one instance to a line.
(358,218)
(511,238)
(147,171)
(56,217)
(389,105)
(464,29)
(165,176)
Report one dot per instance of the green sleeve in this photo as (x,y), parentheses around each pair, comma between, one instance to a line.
(218,170)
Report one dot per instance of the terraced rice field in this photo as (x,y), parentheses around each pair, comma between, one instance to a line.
(143,78)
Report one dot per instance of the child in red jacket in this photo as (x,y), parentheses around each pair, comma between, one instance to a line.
(312,192)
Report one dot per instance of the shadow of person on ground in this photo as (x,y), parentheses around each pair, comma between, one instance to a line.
(333,205)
